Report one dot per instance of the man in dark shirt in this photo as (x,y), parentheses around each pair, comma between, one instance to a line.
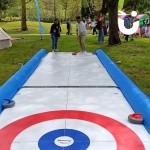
(68,27)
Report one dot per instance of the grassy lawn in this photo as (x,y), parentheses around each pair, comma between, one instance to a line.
(134,56)
(33,28)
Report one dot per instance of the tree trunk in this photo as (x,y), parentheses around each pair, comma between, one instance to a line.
(104,8)
(0,14)
(113,23)
(55,9)
(23,19)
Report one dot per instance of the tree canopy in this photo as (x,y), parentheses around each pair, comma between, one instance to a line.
(142,6)
(67,8)
(3,6)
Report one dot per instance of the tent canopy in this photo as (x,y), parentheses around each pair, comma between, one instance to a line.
(5,39)
(4,35)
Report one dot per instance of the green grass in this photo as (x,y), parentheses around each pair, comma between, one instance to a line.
(33,27)
(134,56)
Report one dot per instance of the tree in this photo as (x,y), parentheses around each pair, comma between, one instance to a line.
(104,8)
(24,18)
(65,7)
(51,8)
(3,6)
(142,6)
(89,7)
(74,8)
(70,8)
(55,8)
(113,22)
(111,6)
(139,5)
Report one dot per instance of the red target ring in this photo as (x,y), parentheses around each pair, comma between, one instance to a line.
(125,138)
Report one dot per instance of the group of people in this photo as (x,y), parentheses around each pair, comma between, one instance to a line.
(100,27)
(142,31)
(81,31)
(55,31)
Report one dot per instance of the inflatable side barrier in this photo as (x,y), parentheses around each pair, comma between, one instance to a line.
(136,98)
(13,85)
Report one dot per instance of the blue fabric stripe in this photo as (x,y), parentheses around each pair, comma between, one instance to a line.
(42,30)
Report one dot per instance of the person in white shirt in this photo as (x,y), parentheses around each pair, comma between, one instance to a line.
(93,26)
(81,33)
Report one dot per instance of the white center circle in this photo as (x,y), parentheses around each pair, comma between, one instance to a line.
(64,141)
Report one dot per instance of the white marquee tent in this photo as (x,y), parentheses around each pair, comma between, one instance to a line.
(5,39)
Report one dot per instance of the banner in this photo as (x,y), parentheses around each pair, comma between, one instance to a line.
(120,4)
(42,30)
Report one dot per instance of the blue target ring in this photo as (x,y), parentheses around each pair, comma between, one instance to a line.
(80,140)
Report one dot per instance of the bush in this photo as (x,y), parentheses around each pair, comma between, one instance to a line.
(47,20)
(11,19)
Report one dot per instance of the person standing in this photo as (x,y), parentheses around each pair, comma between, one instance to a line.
(100,28)
(134,19)
(93,26)
(100,32)
(81,33)
(107,26)
(101,17)
(55,31)
(68,27)
(127,24)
